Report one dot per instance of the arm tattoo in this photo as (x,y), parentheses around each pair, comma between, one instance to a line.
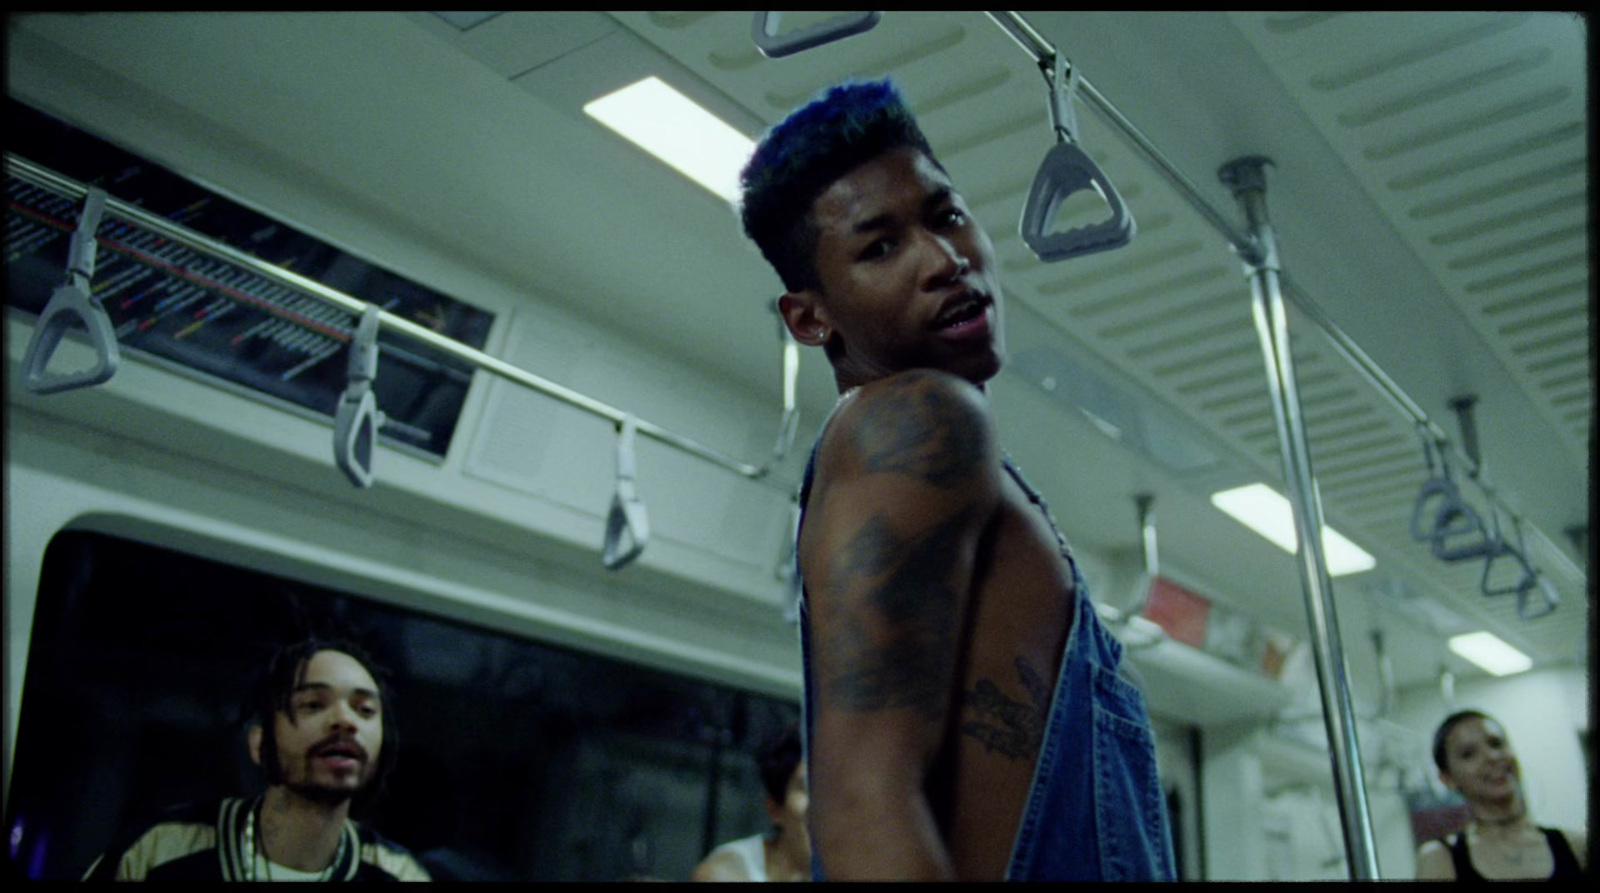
(925,433)
(1011,728)
(909,597)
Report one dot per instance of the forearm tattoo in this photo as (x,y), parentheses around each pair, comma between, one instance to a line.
(1010,728)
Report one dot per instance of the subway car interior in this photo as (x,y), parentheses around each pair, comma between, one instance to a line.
(386,323)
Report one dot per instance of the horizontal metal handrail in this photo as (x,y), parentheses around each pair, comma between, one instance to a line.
(45,178)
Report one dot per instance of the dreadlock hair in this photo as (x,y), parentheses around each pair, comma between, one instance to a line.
(777,759)
(801,156)
(274,689)
(1442,734)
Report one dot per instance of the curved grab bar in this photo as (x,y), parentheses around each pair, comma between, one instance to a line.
(628,519)
(1068,169)
(764,31)
(356,421)
(73,302)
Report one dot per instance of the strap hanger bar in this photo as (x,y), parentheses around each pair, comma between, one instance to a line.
(764,31)
(1042,51)
(48,179)
(74,302)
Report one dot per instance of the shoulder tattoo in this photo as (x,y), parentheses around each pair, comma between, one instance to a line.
(922,431)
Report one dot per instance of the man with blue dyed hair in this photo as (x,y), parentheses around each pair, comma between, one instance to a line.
(965,717)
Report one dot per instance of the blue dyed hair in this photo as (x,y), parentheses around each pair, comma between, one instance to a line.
(801,156)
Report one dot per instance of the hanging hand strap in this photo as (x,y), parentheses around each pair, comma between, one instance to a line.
(627,520)
(790,422)
(1442,518)
(764,31)
(788,569)
(1068,169)
(73,302)
(355,423)
(1537,601)
(1500,556)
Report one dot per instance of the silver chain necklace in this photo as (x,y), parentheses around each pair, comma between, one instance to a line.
(251,849)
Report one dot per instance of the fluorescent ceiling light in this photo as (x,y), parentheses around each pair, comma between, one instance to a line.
(1489,652)
(673,128)
(1263,510)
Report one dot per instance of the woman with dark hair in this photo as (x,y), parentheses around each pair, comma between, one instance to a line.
(784,852)
(1500,842)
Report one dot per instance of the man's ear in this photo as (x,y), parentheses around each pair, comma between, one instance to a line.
(806,318)
(253,739)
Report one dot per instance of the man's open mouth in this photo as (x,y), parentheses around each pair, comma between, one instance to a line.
(964,310)
(341,752)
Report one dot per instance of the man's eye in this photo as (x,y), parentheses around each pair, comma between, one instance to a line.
(309,706)
(951,217)
(876,249)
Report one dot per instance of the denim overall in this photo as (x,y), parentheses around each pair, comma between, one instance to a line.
(1095,810)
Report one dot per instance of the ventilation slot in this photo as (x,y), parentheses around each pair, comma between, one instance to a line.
(1496,117)
(1521,246)
(1495,155)
(1419,52)
(1518,217)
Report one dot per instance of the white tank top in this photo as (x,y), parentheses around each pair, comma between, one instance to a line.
(752,852)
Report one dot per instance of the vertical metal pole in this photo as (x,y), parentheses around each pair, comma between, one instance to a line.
(1247,178)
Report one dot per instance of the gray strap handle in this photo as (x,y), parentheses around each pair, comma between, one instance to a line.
(1548,600)
(1068,169)
(628,524)
(73,302)
(1441,517)
(1536,595)
(764,31)
(789,423)
(355,423)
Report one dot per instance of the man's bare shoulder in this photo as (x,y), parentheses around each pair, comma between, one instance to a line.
(923,423)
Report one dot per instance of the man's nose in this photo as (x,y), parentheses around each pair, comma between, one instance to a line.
(944,261)
(343,715)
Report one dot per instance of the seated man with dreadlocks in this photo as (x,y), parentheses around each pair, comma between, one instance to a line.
(322,736)
(964,712)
